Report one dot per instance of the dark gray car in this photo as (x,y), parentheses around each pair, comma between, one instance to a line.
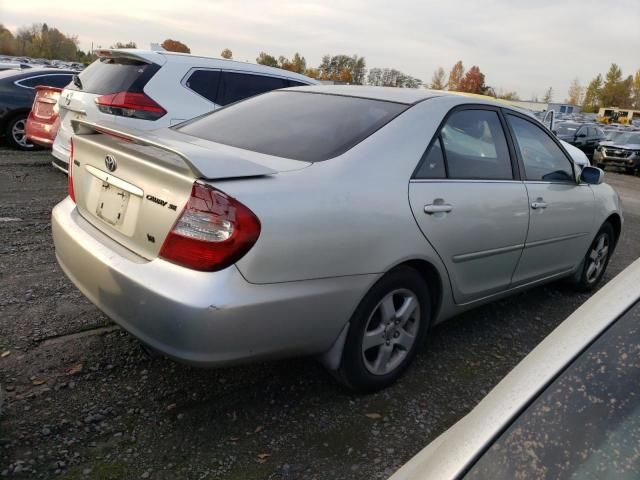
(570,409)
(623,152)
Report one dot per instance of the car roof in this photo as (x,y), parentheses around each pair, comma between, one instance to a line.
(408,96)
(161,57)
(389,94)
(400,95)
(449,455)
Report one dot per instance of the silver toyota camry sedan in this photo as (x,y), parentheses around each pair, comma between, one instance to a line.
(335,221)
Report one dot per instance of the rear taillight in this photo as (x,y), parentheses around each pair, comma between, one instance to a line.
(213,231)
(129,104)
(70,169)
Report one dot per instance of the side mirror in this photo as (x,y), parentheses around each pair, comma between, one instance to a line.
(592,175)
(581,135)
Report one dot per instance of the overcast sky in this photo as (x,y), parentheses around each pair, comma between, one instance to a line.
(519,45)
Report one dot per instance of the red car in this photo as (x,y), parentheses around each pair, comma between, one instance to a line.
(43,120)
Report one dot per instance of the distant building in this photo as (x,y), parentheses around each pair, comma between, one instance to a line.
(543,106)
(564,108)
(533,106)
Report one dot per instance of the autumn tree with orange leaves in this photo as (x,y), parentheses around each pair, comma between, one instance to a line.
(175,46)
(473,82)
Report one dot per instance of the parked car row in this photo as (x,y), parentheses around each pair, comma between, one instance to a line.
(17,94)
(136,88)
(28,62)
(612,145)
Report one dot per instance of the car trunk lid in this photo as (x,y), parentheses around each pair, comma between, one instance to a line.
(134,185)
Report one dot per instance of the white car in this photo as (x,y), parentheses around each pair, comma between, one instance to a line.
(146,90)
(580,159)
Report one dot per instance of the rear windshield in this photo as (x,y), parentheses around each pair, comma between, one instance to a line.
(299,125)
(113,75)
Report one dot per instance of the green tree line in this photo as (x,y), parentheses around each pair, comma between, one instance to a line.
(612,90)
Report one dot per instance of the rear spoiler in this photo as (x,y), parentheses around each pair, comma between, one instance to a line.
(213,162)
(146,56)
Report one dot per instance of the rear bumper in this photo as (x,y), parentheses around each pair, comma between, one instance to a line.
(61,152)
(60,156)
(201,318)
(36,134)
(41,133)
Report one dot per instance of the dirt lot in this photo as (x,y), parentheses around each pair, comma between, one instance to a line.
(81,400)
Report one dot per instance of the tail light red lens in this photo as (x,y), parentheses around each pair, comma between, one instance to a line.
(129,104)
(213,232)
(70,177)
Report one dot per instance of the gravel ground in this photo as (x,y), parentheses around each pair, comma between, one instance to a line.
(81,400)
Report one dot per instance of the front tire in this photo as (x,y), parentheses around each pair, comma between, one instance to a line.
(16,133)
(597,258)
(386,331)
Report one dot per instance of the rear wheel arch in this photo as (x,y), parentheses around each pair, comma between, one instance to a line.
(432,278)
(616,222)
(428,272)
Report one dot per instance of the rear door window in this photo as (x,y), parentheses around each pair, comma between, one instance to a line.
(299,125)
(205,83)
(475,146)
(238,86)
(432,164)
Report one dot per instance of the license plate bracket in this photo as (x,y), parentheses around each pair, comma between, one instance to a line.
(112,204)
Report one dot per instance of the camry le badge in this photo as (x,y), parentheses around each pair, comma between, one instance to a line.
(110,163)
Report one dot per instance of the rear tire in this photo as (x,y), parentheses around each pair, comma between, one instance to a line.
(16,133)
(386,331)
(596,260)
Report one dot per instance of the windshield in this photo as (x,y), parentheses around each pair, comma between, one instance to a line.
(298,125)
(566,128)
(628,139)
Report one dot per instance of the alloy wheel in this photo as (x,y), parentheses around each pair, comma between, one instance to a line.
(19,133)
(391,331)
(597,258)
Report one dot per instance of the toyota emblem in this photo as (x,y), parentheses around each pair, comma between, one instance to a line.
(110,163)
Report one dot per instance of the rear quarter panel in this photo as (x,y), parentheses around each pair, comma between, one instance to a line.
(345,216)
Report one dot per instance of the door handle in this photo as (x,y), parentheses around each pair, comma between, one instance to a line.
(538,204)
(437,208)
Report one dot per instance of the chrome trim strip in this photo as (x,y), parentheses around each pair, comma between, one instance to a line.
(465,257)
(115,181)
(547,241)
(460,180)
